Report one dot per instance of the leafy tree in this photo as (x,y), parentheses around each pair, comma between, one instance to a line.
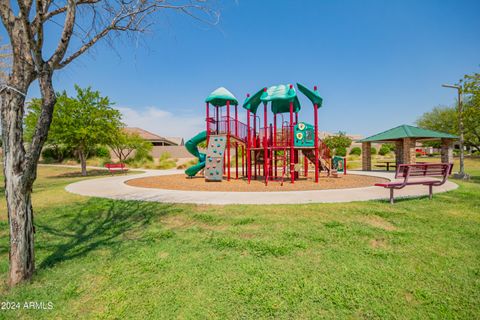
(390,146)
(123,144)
(373,151)
(356,151)
(341,151)
(443,119)
(471,113)
(79,123)
(471,123)
(55,149)
(471,84)
(338,141)
(384,149)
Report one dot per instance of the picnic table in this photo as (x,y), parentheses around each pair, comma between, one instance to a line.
(386,164)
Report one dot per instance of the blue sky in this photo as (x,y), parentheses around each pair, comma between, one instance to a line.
(377,64)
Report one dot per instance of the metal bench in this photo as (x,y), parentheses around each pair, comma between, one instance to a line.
(419,174)
(115,167)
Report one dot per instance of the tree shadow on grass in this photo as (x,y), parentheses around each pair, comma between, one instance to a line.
(475,179)
(100,223)
(90,173)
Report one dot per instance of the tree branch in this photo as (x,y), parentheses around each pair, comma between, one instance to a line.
(130,17)
(50,14)
(66,35)
(7,15)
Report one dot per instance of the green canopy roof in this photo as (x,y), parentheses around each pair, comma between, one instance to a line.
(313,96)
(220,96)
(280,97)
(252,102)
(406,131)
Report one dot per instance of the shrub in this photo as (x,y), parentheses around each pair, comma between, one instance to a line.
(356,151)
(164,156)
(373,150)
(55,153)
(101,152)
(341,151)
(384,149)
(166,164)
(390,146)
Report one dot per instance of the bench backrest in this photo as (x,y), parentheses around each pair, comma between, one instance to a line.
(424,170)
(115,165)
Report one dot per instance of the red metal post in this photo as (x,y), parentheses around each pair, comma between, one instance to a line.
(291,141)
(305,165)
(297,160)
(254,130)
(244,163)
(265,142)
(249,164)
(236,121)
(271,152)
(315,117)
(345,166)
(236,160)
(228,140)
(255,164)
(275,143)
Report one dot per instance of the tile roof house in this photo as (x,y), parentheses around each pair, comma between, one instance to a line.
(177,140)
(155,139)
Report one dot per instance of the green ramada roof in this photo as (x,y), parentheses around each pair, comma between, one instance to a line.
(220,96)
(406,131)
(280,97)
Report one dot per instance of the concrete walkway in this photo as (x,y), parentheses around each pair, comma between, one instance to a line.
(115,188)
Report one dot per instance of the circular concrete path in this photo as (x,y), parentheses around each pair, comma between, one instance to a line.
(115,188)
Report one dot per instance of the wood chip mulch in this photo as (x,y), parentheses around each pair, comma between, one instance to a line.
(181,182)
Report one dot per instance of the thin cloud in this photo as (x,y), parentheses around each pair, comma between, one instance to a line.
(162,122)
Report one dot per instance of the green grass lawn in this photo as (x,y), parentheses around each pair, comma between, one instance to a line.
(105,259)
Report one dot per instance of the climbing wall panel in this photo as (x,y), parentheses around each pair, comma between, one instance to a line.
(215,158)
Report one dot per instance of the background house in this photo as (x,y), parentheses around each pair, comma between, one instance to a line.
(174,146)
(155,139)
(177,140)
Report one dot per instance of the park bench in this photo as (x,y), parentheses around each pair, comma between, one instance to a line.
(116,167)
(419,174)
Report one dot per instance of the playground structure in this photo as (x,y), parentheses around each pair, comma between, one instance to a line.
(276,151)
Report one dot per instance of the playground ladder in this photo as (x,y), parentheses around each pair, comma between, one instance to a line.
(282,158)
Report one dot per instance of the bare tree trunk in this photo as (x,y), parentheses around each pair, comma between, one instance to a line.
(83,161)
(17,190)
(20,168)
